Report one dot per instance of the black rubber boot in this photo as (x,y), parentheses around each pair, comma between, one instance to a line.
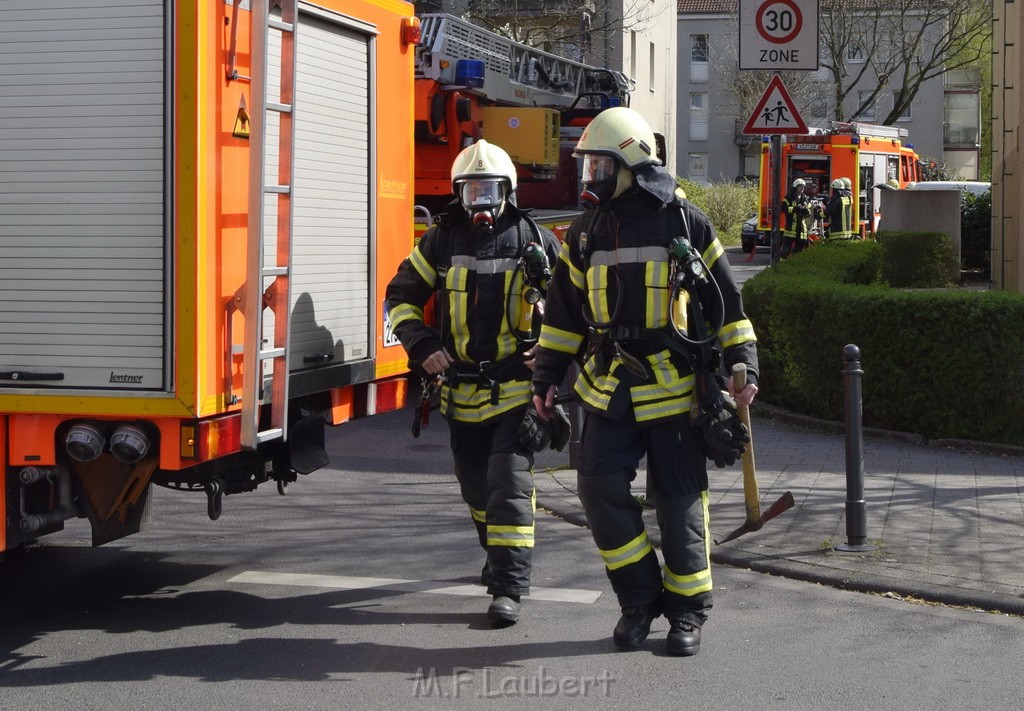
(683,639)
(504,610)
(635,624)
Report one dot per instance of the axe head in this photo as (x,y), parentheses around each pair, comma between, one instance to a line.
(784,503)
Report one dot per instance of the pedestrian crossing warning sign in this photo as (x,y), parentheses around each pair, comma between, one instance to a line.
(241,129)
(775,112)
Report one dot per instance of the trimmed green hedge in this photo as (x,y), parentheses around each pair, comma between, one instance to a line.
(917,259)
(942,363)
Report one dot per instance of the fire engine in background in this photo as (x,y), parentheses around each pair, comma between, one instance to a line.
(869,155)
(193,274)
(472,83)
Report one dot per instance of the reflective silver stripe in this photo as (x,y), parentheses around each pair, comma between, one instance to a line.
(629,553)
(656,276)
(558,340)
(458,307)
(737,332)
(485,266)
(628,255)
(422,266)
(713,252)
(401,313)
(478,515)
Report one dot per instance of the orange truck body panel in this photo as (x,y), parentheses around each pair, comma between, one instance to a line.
(207,196)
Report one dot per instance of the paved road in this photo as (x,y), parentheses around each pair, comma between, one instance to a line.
(184,616)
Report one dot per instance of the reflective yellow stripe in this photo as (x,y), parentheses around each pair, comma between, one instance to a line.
(596,390)
(556,339)
(479,516)
(737,332)
(468,403)
(698,582)
(506,339)
(629,553)
(401,313)
(597,278)
(656,411)
(656,277)
(713,252)
(516,536)
(575,275)
(421,265)
(458,307)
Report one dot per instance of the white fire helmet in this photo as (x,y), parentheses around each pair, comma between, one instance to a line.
(483,178)
(614,144)
(837,184)
(799,183)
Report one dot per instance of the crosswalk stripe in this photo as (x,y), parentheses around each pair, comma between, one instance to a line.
(346,582)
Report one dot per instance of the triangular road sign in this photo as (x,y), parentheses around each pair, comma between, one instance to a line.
(775,112)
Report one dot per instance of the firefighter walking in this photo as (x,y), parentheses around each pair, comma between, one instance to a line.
(647,382)
(487,261)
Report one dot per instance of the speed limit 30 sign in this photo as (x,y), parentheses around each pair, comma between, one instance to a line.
(778,34)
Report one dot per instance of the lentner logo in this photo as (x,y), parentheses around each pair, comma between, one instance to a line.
(124,378)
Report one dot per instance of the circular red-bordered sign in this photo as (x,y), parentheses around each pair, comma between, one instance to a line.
(779,21)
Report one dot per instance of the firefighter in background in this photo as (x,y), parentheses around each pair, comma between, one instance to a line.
(610,306)
(482,258)
(839,212)
(798,211)
(854,221)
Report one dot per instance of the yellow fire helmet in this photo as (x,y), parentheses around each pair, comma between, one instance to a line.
(620,132)
(483,160)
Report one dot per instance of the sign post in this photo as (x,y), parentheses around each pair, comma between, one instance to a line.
(777,35)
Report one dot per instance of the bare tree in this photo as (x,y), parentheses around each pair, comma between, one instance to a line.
(897,46)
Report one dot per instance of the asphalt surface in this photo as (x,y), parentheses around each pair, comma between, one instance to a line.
(944,520)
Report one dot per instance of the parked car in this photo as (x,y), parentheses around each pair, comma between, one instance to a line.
(751,237)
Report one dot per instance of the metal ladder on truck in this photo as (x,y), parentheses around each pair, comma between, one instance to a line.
(275,296)
(514,73)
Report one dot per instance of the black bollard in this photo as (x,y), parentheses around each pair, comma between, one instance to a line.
(856,508)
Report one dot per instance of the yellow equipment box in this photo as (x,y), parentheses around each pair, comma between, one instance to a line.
(529,135)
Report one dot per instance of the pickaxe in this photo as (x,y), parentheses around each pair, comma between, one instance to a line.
(751,497)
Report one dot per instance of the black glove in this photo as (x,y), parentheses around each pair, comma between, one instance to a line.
(724,436)
(560,429)
(534,432)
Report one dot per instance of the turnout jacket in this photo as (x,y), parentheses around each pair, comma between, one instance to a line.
(797,211)
(614,269)
(481,314)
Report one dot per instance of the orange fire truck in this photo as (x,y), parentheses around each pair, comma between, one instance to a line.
(869,155)
(472,83)
(200,206)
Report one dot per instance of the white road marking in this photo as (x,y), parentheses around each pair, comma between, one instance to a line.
(346,582)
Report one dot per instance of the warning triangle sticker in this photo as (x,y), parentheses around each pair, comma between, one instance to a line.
(775,112)
(241,128)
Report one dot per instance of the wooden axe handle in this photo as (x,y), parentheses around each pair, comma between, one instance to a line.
(751,496)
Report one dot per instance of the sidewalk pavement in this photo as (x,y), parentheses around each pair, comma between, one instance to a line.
(946,518)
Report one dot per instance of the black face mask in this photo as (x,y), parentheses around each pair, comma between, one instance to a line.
(483,221)
(599,192)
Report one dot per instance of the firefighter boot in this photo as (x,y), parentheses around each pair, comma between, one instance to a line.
(635,624)
(683,638)
(504,610)
(485,575)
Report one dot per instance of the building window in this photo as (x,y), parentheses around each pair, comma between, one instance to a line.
(632,55)
(697,167)
(962,118)
(699,64)
(650,70)
(868,113)
(905,116)
(855,52)
(699,116)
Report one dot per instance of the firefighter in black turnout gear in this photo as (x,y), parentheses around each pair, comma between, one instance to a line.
(488,262)
(644,297)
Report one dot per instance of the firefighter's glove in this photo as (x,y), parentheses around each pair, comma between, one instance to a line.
(534,432)
(559,429)
(725,436)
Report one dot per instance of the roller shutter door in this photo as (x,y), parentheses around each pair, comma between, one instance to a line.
(331,256)
(82,206)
